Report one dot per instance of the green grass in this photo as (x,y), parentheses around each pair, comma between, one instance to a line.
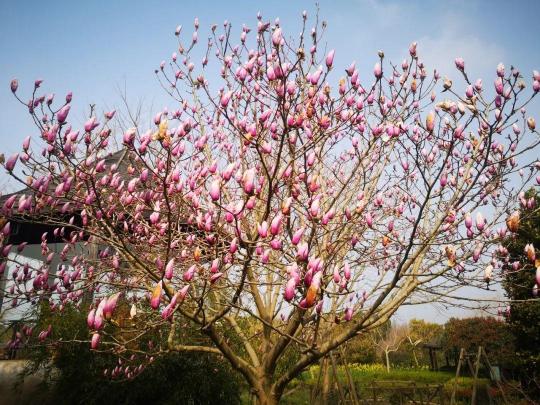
(367,373)
(364,375)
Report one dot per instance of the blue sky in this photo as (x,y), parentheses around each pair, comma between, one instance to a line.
(95,48)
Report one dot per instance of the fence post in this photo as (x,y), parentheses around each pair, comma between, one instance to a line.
(458,369)
(476,368)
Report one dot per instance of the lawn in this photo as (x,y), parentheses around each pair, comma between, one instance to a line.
(366,375)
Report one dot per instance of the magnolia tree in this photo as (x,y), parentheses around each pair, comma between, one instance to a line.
(277,198)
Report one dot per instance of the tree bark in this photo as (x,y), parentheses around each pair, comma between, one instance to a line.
(387,361)
(326,381)
(266,397)
(264,390)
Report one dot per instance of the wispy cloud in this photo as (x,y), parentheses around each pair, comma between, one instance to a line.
(440,51)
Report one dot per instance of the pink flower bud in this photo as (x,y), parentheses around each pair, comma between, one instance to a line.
(156,295)
(98,318)
(6,229)
(154,218)
(91,124)
(314,209)
(96,338)
(225,98)
(302,251)
(480,221)
(377,70)
(460,64)
(215,277)
(369,220)
(63,113)
(90,318)
(277,37)
(500,70)
(347,271)
(129,136)
(412,49)
(215,266)
(248,181)
(189,273)
(169,269)
(314,79)
(499,87)
(290,287)
(234,246)
(14,85)
(330,59)
(11,162)
(275,226)
(336,276)
(262,229)
(215,191)
(468,220)
(110,305)
(297,236)
(183,292)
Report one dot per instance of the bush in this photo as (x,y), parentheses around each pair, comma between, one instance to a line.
(75,375)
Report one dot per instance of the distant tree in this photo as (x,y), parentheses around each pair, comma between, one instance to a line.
(361,349)
(492,334)
(522,277)
(420,332)
(389,340)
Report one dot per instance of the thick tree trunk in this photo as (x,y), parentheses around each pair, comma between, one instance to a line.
(264,394)
(266,399)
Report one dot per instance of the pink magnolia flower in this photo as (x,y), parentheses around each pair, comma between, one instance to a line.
(248,181)
(96,338)
(460,64)
(63,113)
(377,70)
(330,59)
(156,295)
(215,190)
(277,37)
(290,288)
(169,269)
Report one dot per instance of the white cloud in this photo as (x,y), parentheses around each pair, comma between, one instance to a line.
(455,39)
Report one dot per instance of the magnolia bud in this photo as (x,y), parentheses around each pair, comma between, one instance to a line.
(14,85)
(531,123)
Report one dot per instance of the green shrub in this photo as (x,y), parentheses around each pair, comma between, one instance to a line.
(73,374)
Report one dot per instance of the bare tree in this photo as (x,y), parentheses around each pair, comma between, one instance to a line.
(389,340)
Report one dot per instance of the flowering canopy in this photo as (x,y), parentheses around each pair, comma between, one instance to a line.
(273,195)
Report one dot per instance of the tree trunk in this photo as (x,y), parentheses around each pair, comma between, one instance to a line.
(325,382)
(415,358)
(265,398)
(387,361)
(264,394)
